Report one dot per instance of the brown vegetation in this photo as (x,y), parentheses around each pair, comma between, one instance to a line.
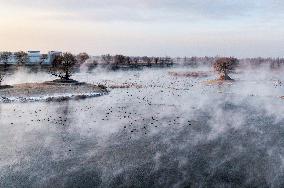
(219,82)
(121,60)
(224,66)
(82,57)
(189,74)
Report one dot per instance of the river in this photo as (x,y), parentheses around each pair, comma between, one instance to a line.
(161,131)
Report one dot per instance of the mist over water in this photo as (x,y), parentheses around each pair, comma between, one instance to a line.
(163,131)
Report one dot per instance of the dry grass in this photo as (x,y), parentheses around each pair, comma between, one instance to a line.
(189,74)
(218,82)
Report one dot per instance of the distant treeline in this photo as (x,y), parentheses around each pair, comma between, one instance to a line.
(128,61)
(196,61)
(118,61)
(272,62)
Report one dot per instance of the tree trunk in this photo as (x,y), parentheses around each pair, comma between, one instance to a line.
(225,76)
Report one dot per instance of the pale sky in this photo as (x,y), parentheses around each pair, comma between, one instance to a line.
(242,28)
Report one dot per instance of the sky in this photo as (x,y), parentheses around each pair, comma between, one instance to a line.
(241,28)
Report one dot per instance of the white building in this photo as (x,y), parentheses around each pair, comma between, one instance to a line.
(35,57)
(50,57)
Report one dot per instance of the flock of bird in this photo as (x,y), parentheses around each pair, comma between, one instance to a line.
(132,109)
(148,120)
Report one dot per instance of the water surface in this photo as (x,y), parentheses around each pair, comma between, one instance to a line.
(166,132)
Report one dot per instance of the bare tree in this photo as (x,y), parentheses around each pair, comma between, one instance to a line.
(156,60)
(119,59)
(135,60)
(82,57)
(22,58)
(63,65)
(43,58)
(167,61)
(224,66)
(107,59)
(4,57)
(127,60)
(1,78)
(146,60)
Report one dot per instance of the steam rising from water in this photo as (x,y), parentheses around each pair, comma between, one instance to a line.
(172,132)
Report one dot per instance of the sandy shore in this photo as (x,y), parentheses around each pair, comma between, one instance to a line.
(49,91)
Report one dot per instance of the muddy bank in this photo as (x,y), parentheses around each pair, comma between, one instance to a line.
(189,74)
(219,82)
(50,91)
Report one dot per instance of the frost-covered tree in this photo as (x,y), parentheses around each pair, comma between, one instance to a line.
(224,66)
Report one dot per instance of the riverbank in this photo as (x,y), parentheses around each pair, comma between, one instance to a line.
(50,91)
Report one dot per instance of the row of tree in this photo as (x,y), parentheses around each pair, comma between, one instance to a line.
(127,60)
(64,63)
(196,61)
(22,57)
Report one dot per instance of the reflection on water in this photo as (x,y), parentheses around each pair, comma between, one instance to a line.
(172,132)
